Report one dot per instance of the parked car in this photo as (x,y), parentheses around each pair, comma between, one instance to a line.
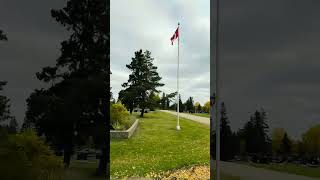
(259,158)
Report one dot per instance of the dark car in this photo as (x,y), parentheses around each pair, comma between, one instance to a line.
(259,158)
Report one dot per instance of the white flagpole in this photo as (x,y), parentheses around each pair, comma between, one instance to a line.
(217,94)
(178,125)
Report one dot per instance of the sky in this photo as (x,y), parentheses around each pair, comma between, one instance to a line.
(149,25)
(270,59)
(269,53)
(33,42)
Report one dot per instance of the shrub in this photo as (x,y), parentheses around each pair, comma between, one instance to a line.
(120,118)
(26,156)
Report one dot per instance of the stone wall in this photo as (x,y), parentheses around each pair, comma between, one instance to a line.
(125,134)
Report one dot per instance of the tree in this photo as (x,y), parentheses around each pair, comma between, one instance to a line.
(4,101)
(181,105)
(154,101)
(13,125)
(206,107)
(196,107)
(277,136)
(3,37)
(310,140)
(4,105)
(255,134)
(227,137)
(189,105)
(286,145)
(76,102)
(166,99)
(129,98)
(143,80)
(163,101)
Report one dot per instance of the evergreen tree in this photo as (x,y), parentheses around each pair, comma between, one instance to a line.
(286,145)
(13,126)
(143,80)
(163,101)
(255,134)
(181,105)
(3,37)
(4,105)
(199,108)
(228,139)
(189,105)
(75,105)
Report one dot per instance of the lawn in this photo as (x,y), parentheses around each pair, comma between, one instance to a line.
(202,115)
(291,168)
(157,146)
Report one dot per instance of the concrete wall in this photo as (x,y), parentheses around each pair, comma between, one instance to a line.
(124,134)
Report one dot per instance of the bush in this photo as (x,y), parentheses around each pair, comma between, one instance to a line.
(120,118)
(26,156)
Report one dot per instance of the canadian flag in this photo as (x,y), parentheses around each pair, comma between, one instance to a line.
(175,36)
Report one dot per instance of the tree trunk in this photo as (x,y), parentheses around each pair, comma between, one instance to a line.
(67,156)
(103,163)
(142,112)
(131,109)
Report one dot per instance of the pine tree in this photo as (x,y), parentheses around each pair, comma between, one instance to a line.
(143,80)
(285,145)
(79,90)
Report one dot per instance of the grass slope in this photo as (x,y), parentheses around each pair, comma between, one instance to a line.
(157,146)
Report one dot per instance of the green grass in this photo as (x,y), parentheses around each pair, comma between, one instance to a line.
(290,168)
(202,115)
(157,146)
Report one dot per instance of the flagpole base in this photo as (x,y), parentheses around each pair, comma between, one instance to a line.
(178,128)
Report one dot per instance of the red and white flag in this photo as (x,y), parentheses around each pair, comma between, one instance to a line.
(175,36)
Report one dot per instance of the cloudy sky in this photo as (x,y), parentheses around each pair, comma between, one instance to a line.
(33,42)
(149,24)
(270,59)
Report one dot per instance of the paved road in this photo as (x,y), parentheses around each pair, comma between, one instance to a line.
(199,119)
(246,172)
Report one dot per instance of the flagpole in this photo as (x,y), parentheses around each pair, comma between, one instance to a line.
(217,95)
(178,123)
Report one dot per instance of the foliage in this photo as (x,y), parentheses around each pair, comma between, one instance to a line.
(143,81)
(255,134)
(154,101)
(277,136)
(79,92)
(4,105)
(120,118)
(27,154)
(206,107)
(197,107)
(286,145)
(311,141)
(227,137)
(189,105)
(3,37)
